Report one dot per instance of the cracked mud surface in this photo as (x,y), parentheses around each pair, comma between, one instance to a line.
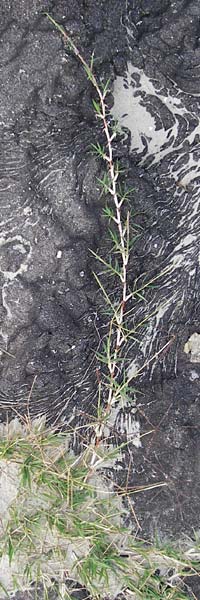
(51,216)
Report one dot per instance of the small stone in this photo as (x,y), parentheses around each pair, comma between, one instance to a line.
(193,375)
(192,347)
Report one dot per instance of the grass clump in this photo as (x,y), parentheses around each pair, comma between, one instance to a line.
(58,523)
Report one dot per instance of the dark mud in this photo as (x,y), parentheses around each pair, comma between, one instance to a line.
(51,216)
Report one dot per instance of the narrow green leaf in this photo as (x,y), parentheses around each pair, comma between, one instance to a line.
(106,87)
(108,212)
(115,239)
(10,550)
(26,477)
(98,150)
(104,291)
(97,107)
(4,590)
(105,182)
(114,269)
(59,27)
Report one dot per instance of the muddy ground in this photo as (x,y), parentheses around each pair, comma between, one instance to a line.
(50,310)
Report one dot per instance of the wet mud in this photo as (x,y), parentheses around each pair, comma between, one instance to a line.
(51,217)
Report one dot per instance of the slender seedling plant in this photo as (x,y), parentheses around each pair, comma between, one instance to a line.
(120,236)
(111,388)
